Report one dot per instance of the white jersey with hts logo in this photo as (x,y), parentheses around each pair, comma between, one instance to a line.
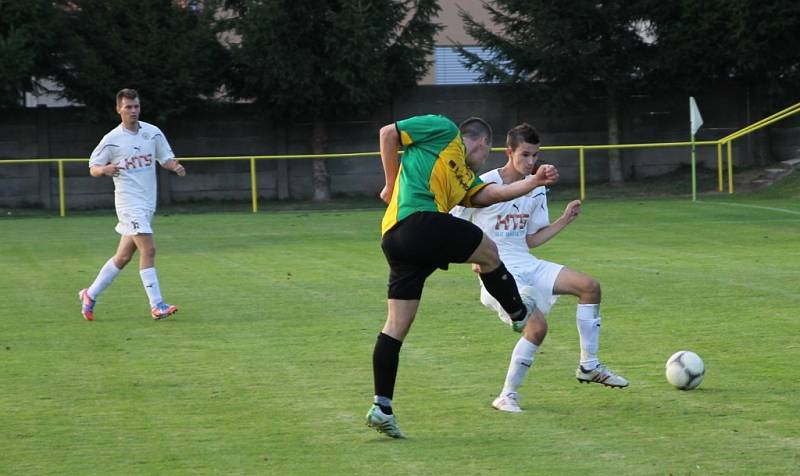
(136,154)
(507,223)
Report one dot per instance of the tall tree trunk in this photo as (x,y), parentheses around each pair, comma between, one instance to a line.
(321,180)
(615,175)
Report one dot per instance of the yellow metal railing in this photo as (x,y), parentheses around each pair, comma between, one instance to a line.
(60,163)
(252,159)
(583,148)
(720,143)
(727,140)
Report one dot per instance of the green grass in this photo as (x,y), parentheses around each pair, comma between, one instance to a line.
(267,367)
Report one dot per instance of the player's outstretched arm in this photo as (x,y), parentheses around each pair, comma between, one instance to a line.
(174,166)
(543,235)
(390,144)
(495,193)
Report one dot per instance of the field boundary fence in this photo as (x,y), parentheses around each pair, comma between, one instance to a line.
(720,144)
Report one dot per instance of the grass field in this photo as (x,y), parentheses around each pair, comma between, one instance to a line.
(266,369)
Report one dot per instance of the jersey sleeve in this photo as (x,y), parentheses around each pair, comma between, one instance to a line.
(540,215)
(102,154)
(438,131)
(476,186)
(163,150)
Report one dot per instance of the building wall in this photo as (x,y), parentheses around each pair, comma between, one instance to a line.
(453,32)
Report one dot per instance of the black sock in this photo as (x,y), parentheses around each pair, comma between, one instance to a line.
(385,358)
(501,285)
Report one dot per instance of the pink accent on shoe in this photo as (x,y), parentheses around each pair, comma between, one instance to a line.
(87,304)
(162,311)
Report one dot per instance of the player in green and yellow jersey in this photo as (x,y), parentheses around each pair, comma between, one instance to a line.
(437,172)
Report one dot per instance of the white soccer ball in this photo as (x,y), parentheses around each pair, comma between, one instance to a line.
(685,370)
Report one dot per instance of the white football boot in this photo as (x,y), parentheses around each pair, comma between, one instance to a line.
(600,375)
(383,423)
(507,403)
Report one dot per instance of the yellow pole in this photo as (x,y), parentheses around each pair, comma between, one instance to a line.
(582,173)
(719,166)
(789,111)
(61,207)
(253,187)
(730,168)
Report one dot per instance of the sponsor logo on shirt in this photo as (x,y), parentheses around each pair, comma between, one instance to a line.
(462,175)
(512,221)
(137,161)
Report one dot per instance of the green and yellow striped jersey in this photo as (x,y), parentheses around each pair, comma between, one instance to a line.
(433,173)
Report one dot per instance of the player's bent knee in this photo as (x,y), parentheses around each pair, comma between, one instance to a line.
(536,330)
(148,253)
(486,255)
(120,261)
(592,289)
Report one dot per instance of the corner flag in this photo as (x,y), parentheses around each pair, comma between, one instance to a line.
(695,119)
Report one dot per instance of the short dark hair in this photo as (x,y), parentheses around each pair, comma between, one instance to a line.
(522,133)
(474,128)
(126,93)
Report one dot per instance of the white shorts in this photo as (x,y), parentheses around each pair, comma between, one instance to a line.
(541,276)
(134,221)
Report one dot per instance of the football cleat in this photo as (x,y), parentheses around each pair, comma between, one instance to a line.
(507,403)
(383,423)
(601,375)
(163,311)
(527,294)
(87,304)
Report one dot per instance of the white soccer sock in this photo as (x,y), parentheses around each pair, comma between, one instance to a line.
(107,273)
(588,320)
(521,362)
(151,287)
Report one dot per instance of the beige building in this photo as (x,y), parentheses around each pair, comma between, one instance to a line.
(447,68)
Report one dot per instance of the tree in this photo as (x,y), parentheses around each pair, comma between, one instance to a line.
(562,53)
(700,43)
(317,60)
(168,53)
(29,30)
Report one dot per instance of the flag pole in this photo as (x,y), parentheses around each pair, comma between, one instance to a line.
(695,121)
(694,172)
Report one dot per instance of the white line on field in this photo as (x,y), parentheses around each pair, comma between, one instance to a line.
(773,209)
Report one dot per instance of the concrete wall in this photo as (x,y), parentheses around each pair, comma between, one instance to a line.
(242,130)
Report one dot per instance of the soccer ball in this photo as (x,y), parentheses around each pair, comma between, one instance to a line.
(685,370)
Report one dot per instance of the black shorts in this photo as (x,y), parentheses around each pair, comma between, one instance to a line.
(422,242)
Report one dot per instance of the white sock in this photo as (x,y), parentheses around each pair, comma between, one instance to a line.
(107,273)
(521,362)
(151,287)
(588,320)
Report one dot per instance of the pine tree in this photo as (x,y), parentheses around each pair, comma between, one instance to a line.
(315,60)
(564,53)
(170,54)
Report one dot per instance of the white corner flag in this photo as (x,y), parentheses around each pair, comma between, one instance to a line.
(695,119)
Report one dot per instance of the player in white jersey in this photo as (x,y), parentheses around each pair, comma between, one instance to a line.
(516,226)
(129,154)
